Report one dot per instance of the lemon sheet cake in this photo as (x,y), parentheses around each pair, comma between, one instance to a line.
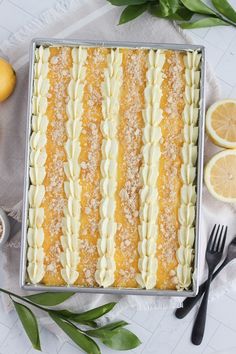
(113,153)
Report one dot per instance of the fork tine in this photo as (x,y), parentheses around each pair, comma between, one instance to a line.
(212,246)
(224,239)
(211,237)
(219,239)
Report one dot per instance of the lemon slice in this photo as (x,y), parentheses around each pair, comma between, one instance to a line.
(221,123)
(220,176)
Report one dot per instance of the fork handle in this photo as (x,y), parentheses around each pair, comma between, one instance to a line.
(200,321)
(190,302)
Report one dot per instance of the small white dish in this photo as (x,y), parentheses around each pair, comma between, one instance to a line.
(4,221)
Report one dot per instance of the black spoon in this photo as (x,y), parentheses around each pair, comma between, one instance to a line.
(189,302)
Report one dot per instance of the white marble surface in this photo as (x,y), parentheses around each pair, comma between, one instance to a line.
(159,331)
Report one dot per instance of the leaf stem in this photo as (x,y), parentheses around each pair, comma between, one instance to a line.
(71,323)
(22,298)
(11,294)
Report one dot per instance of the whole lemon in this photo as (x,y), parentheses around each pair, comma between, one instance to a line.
(7,79)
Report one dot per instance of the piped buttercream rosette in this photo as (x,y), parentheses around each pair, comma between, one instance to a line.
(106,266)
(71,220)
(148,229)
(37,171)
(186,214)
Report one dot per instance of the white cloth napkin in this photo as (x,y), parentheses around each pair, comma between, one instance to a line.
(95,19)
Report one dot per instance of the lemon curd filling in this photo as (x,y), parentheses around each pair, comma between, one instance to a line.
(113,154)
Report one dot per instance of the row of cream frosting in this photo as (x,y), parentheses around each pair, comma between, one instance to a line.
(106,266)
(186,214)
(38,158)
(71,220)
(148,229)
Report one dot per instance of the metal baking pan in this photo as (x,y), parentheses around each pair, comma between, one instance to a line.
(155,292)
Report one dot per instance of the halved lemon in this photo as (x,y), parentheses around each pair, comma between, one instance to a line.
(220,176)
(221,123)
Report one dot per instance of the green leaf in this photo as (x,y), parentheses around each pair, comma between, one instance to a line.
(87,318)
(181,14)
(127,2)
(95,313)
(122,339)
(29,323)
(205,22)
(102,331)
(131,12)
(155,10)
(67,315)
(78,337)
(225,9)
(168,7)
(118,338)
(49,299)
(198,6)
(114,325)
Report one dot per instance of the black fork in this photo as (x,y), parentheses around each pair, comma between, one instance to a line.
(214,252)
